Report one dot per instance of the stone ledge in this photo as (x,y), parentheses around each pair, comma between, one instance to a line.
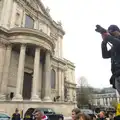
(28,101)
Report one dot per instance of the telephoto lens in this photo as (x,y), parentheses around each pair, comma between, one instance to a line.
(100,29)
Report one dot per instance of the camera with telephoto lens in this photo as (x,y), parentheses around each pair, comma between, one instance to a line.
(100,29)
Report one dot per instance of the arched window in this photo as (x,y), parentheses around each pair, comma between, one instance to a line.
(53,75)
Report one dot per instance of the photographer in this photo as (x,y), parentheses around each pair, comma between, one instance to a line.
(112,37)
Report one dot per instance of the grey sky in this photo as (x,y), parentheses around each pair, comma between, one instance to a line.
(82,45)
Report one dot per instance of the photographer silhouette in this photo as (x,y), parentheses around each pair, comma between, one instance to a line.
(111,37)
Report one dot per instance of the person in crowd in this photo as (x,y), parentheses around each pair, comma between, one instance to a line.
(98,117)
(82,116)
(117,117)
(39,115)
(111,117)
(16,115)
(102,115)
(94,118)
(75,112)
(112,37)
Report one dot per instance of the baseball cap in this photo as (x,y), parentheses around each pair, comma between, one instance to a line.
(113,28)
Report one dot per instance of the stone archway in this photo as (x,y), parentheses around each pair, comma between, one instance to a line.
(27,86)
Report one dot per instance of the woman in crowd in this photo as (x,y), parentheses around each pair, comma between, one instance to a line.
(75,112)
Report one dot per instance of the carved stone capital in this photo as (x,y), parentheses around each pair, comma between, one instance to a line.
(4,42)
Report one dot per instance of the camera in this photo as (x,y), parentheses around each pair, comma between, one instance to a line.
(100,29)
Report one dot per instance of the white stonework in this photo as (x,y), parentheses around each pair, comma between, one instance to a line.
(105,99)
(31,47)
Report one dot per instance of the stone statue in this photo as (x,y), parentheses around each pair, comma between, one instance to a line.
(59,23)
(48,10)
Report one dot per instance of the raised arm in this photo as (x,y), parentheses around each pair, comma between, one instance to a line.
(105,52)
(114,41)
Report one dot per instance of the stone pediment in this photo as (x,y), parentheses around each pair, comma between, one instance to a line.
(38,6)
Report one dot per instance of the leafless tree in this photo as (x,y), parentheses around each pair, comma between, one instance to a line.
(84,96)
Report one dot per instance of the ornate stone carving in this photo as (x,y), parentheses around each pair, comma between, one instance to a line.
(34,6)
(4,42)
(74,95)
(59,23)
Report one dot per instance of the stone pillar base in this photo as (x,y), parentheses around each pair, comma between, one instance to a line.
(17,97)
(2,97)
(47,99)
(35,98)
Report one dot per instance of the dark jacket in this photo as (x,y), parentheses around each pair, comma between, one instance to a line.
(117,118)
(113,53)
(16,116)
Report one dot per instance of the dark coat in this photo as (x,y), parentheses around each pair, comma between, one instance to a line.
(117,118)
(16,116)
(114,54)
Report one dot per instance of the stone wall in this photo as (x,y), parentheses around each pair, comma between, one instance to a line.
(62,108)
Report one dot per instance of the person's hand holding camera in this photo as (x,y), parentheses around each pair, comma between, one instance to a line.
(102,31)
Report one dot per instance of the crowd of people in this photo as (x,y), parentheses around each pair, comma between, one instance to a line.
(78,115)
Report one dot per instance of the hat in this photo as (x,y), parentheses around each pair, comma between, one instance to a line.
(113,28)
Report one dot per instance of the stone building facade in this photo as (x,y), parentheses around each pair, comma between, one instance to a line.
(104,99)
(33,71)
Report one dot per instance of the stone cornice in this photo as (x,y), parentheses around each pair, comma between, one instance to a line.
(69,63)
(70,83)
(45,15)
(58,60)
(63,62)
(36,34)
(33,32)
(35,102)
(58,63)
(57,66)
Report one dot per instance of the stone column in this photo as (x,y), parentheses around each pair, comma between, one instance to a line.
(35,96)
(2,58)
(4,82)
(20,74)
(6,12)
(40,80)
(2,53)
(117,95)
(95,101)
(58,47)
(47,69)
(102,101)
(62,86)
(61,47)
(109,101)
(60,83)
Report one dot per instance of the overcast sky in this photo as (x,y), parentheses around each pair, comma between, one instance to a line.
(82,45)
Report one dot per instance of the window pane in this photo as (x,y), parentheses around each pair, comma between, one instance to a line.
(3,116)
(29,22)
